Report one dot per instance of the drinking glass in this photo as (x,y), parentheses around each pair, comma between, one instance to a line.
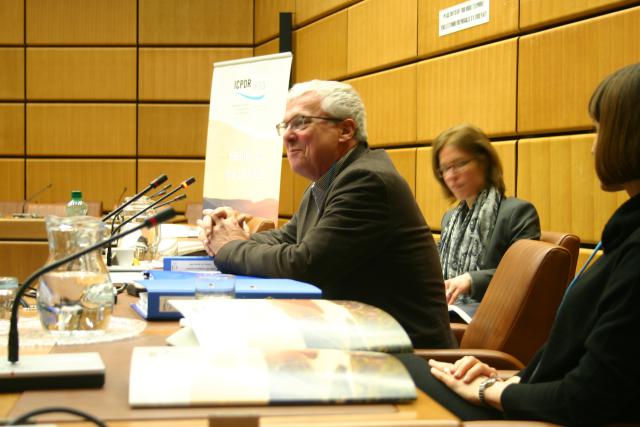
(8,289)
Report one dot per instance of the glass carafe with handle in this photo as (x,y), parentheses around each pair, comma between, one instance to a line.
(77,297)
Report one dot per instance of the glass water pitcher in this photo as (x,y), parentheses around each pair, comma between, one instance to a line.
(77,297)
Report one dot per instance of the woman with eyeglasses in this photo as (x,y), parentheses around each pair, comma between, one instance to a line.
(587,372)
(480,229)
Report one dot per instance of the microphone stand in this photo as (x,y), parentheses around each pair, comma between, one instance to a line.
(13,328)
(160,192)
(175,199)
(13,341)
(183,184)
(33,196)
(153,184)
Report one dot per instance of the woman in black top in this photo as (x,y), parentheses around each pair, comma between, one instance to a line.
(588,371)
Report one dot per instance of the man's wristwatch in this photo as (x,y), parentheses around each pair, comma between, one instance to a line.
(484,385)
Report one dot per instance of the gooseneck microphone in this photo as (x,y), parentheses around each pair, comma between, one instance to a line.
(160,192)
(13,344)
(124,190)
(153,184)
(33,196)
(175,199)
(184,184)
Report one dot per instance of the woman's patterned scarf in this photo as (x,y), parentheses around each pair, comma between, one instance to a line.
(463,242)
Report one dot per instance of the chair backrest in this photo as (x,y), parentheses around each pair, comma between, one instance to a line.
(193,212)
(569,241)
(60,208)
(9,207)
(95,208)
(517,311)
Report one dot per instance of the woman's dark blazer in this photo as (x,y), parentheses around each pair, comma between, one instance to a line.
(517,219)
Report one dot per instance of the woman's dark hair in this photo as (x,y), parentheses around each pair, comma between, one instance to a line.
(472,140)
(615,106)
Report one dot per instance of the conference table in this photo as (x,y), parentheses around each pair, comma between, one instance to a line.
(23,246)
(110,403)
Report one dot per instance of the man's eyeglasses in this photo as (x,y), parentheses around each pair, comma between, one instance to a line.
(301,122)
(455,166)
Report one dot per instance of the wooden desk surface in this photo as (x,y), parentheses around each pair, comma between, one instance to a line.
(22,229)
(110,403)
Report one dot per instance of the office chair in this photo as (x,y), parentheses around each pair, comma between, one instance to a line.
(518,309)
(569,241)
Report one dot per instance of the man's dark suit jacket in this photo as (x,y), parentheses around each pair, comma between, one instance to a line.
(368,242)
(517,219)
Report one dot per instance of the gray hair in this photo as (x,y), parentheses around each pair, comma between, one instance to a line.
(337,99)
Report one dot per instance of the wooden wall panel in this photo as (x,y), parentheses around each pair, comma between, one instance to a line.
(390,101)
(559,69)
(12,22)
(97,130)
(404,159)
(308,10)
(429,194)
(503,21)
(177,171)
(184,74)
(172,130)
(81,22)
(11,129)
(583,256)
(20,259)
(300,184)
(286,207)
(536,13)
(282,221)
(12,176)
(380,33)
(267,48)
(196,22)
(557,175)
(11,73)
(507,153)
(81,74)
(321,49)
(475,86)
(267,15)
(100,180)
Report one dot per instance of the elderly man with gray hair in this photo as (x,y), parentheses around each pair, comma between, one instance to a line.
(358,233)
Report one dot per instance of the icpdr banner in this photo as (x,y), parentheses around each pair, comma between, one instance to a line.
(244,151)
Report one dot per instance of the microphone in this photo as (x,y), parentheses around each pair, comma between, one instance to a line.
(175,199)
(162,191)
(27,200)
(119,199)
(153,184)
(16,377)
(184,184)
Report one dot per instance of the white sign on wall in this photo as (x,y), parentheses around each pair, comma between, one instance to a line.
(462,16)
(244,151)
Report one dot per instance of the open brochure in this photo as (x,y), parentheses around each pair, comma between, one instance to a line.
(292,324)
(271,351)
(458,312)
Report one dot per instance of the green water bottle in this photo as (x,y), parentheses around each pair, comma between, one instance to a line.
(77,206)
